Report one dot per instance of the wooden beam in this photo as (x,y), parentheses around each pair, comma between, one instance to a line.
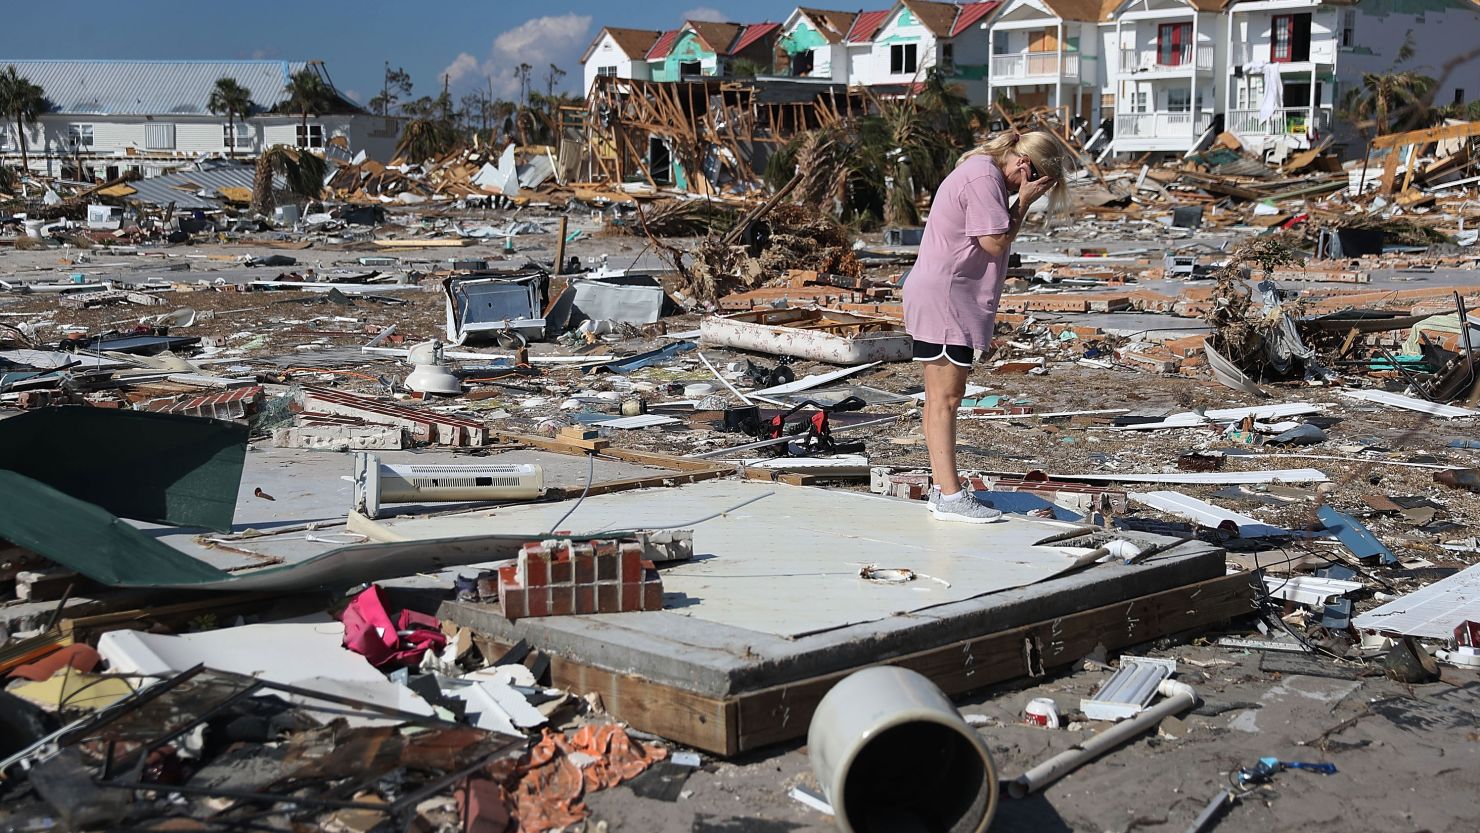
(1432,134)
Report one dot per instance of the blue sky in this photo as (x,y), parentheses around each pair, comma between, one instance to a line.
(470,40)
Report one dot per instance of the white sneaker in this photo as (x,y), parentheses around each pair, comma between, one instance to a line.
(963,508)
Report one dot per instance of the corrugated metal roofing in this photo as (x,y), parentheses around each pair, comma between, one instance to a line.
(866,25)
(142,88)
(183,188)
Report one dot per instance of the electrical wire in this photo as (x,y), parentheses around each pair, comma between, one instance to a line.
(590,476)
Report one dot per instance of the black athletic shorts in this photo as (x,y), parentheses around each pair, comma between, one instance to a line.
(956,354)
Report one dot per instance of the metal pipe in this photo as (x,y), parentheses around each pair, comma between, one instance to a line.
(891,753)
(1179,697)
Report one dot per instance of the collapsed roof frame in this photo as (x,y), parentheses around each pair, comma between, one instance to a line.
(732,118)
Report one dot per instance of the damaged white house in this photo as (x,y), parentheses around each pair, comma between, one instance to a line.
(109,117)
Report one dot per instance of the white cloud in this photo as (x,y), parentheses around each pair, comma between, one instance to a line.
(705,13)
(553,39)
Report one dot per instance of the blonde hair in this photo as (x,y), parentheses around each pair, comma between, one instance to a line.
(1041,148)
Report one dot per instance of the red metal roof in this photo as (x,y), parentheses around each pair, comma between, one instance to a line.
(866,25)
(971,14)
(663,46)
(753,32)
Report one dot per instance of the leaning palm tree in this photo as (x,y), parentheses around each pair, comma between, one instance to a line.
(23,102)
(232,99)
(303,171)
(1389,103)
(308,95)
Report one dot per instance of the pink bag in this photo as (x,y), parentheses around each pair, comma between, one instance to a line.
(369,631)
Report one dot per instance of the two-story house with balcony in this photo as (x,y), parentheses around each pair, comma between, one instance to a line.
(704,49)
(618,53)
(1168,83)
(1050,53)
(1291,63)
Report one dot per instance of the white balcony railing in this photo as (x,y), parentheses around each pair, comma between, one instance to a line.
(1034,65)
(1180,60)
(1294,121)
(1162,125)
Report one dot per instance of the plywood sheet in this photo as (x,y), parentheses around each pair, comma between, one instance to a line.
(789,564)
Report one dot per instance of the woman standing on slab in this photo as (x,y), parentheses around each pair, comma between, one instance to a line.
(951,294)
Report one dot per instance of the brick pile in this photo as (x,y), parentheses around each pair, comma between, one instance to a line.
(563,577)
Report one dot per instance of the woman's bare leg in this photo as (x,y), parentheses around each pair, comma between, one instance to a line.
(945,385)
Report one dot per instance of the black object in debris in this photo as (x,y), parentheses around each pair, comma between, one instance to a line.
(515,655)
(538,664)
(743,418)
(663,781)
(1187,216)
(275,260)
(21,724)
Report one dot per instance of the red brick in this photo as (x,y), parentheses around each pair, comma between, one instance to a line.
(585,598)
(606,566)
(631,565)
(562,600)
(512,601)
(632,595)
(603,546)
(561,572)
(538,600)
(508,574)
(585,568)
(536,569)
(652,595)
(608,598)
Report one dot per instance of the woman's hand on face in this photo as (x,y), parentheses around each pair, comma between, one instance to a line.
(1032,190)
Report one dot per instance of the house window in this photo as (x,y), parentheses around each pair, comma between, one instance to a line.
(79,135)
(902,59)
(159,137)
(1173,44)
(999,43)
(690,69)
(1348,27)
(1459,96)
(1179,100)
(948,58)
(1251,93)
(228,135)
(1289,39)
(802,64)
(1143,101)
(311,138)
(610,72)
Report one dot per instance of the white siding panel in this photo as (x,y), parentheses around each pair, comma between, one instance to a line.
(201,137)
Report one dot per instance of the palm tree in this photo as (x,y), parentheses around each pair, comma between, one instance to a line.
(1399,101)
(234,100)
(308,95)
(303,171)
(425,139)
(23,102)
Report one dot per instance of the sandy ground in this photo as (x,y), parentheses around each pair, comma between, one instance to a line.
(1407,762)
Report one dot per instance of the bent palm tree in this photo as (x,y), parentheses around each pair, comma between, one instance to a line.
(303,171)
(23,102)
(232,99)
(425,139)
(1395,102)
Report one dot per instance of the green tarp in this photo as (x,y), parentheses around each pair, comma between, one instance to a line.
(163,468)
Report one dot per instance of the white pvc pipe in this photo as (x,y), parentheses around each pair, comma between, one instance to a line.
(891,753)
(1179,697)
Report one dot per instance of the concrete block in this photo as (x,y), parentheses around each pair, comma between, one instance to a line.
(340,437)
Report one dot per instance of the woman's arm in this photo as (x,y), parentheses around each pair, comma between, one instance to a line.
(997,245)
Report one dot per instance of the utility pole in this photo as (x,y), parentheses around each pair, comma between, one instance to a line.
(446,98)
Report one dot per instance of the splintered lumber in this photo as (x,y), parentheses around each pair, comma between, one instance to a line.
(439,243)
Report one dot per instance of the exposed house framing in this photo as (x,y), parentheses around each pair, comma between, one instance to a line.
(712,128)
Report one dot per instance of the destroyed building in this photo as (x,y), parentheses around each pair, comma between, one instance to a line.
(116,117)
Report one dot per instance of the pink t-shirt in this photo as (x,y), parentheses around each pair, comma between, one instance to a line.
(951,294)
